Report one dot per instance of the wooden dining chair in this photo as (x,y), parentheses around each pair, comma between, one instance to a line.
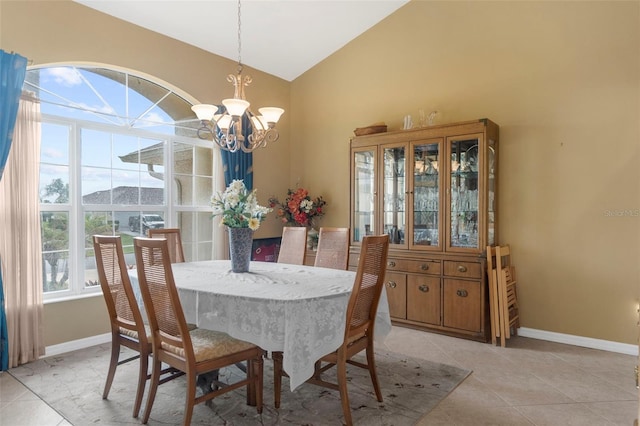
(127,325)
(195,352)
(333,248)
(359,330)
(492,279)
(293,247)
(507,294)
(174,240)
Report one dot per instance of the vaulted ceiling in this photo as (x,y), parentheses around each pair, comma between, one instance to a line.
(281,37)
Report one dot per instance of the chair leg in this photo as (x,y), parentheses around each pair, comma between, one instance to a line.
(251,386)
(113,364)
(155,381)
(190,400)
(142,380)
(277,377)
(341,366)
(371,366)
(257,366)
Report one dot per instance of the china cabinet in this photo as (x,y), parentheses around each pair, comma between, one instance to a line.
(433,191)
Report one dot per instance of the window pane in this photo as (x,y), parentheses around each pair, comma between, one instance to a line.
(196,229)
(183,193)
(141,222)
(125,152)
(55,250)
(54,145)
(192,175)
(96,185)
(54,164)
(204,161)
(151,190)
(95,148)
(54,184)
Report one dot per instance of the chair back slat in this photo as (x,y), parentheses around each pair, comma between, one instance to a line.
(174,242)
(333,248)
(293,247)
(368,285)
(114,281)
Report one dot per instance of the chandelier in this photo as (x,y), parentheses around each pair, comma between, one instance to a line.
(225,127)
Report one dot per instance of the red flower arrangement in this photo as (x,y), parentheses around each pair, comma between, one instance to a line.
(298,208)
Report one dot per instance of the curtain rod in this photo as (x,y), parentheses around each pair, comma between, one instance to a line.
(29,61)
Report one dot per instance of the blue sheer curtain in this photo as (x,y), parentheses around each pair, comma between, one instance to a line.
(239,164)
(13,68)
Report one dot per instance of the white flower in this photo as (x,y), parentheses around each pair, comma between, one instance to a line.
(238,207)
(231,200)
(306,205)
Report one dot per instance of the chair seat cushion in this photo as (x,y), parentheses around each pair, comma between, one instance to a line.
(134,334)
(209,344)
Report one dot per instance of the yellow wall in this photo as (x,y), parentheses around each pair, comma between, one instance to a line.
(562,79)
(62,31)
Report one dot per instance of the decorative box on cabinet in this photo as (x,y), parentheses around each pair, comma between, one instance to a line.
(433,190)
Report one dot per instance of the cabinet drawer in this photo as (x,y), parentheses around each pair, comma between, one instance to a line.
(423,266)
(416,266)
(454,268)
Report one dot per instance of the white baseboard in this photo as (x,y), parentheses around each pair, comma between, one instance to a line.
(550,336)
(74,345)
(585,342)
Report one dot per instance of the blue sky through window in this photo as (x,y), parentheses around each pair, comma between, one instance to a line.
(105,97)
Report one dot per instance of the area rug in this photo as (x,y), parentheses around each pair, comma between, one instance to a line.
(72,384)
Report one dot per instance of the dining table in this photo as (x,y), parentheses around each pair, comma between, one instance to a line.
(297,310)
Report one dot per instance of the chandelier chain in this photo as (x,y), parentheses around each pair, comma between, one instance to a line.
(239,37)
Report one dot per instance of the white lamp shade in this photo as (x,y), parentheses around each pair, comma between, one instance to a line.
(271,114)
(205,111)
(223,121)
(236,107)
(259,122)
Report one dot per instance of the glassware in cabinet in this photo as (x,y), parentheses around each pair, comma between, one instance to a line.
(364,192)
(394,187)
(426,194)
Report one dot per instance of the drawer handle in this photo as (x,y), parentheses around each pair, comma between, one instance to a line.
(391,284)
(391,264)
(424,267)
(462,268)
(424,288)
(462,293)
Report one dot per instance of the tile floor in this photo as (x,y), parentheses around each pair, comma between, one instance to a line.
(531,382)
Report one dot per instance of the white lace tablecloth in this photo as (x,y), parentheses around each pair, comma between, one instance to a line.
(297,310)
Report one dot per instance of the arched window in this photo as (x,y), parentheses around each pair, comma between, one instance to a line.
(119,155)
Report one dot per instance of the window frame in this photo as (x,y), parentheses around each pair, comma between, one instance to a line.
(76,209)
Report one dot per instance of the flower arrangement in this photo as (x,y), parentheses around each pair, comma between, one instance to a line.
(238,207)
(298,208)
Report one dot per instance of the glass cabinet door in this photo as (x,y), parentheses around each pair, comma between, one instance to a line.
(364,193)
(394,188)
(463,192)
(426,194)
(491,208)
